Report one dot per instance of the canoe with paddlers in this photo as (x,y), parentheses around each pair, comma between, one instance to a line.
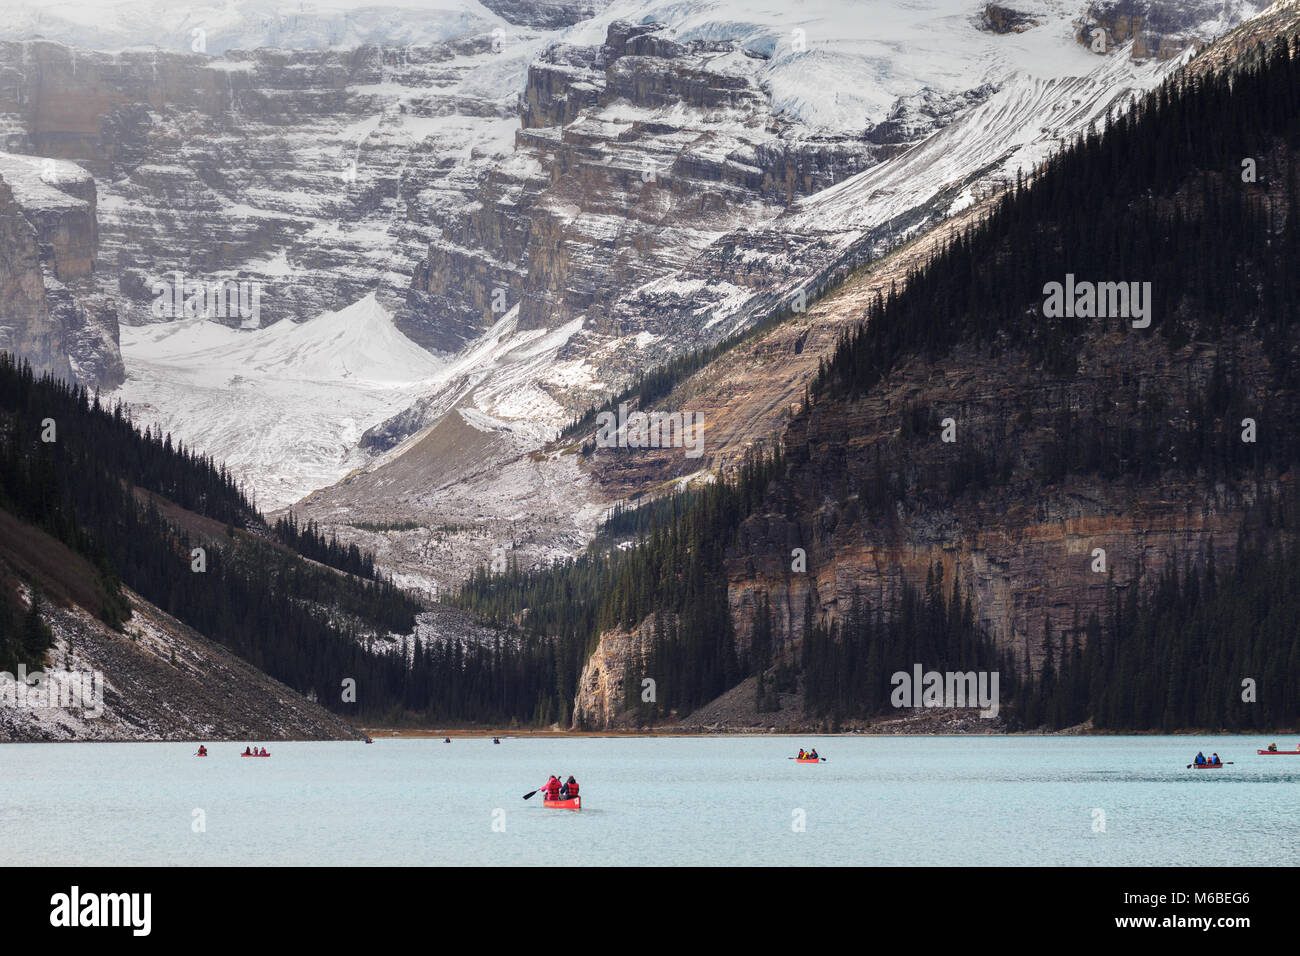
(558,794)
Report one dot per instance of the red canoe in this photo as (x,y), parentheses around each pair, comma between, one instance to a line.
(1292,753)
(1208,766)
(573,803)
(254,755)
(807,759)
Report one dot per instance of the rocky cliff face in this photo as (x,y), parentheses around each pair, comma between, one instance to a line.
(50,311)
(25,320)
(1026,550)
(318,175)
(634,156)
(545,14)
(1158,29)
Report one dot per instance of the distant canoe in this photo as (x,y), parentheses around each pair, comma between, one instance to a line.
(1289,753)
(254,755)
(808,759)
(1208,766)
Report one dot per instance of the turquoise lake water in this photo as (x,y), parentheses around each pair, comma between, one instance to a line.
(656,801)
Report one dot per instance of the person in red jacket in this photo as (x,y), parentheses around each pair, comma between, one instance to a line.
(552,788)
(573,787)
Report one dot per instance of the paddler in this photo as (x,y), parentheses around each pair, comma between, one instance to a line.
(801,753)
(552,788)
(573,787)
(1216,760)
(1272,748)
(1200,758)
(203,751)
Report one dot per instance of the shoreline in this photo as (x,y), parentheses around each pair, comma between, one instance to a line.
(475,734)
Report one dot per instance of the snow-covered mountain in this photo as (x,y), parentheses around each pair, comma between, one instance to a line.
(547,196)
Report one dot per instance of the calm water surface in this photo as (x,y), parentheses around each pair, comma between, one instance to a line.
(656,801)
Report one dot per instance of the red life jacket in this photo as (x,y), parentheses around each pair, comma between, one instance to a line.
(573,789)
(553,789)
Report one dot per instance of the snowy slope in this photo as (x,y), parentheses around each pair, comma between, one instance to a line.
(842,64)
(112,25)
(285,405)
(1035,111)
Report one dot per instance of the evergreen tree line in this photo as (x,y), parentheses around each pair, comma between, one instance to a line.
(1196,647)
(24,636)
(193,481)
(635,520)
(309,541)
(848,664)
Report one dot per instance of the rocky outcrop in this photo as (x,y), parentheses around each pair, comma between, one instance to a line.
(601,694)
(545,14)
(1158,29)
(50,311)
(997,18)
